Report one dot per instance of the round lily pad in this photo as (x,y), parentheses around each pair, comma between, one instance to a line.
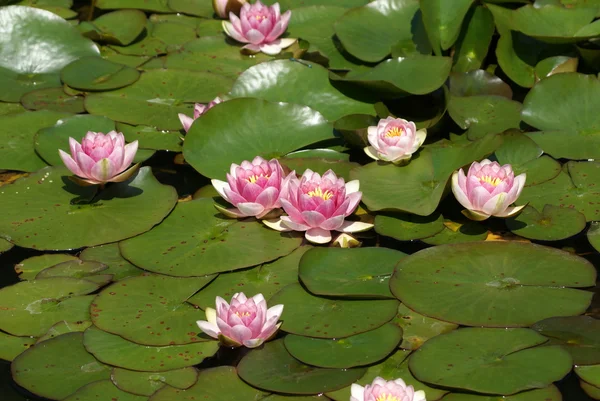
(550,393)
(30,308)
(490,361)
(358,350)
(590,374)
(443,21)
(58,367)
(195,240)
(159,6)
(198,8)
(110,255)
(308,315)
(458,232)
(64,327)
(119,27)
(103,388)
(215,384)
(30,267)
(361,272)
(272,368)
(419,328)
(495,284)
(12,346)
(152,138)
(54,99)
(98,74)
(77,269)
(117,351)
(48,199)
(593,235)
(150,309)
(406,227)
(580,335)
(552,224)
(147,383)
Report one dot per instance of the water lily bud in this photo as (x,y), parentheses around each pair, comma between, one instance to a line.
(487,190)
(247,321)
(394,140)
(380,389)
(199,109)
(224,7)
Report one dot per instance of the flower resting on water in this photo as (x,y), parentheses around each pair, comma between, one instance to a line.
(394,140)
(487,190)
(247,321)
(199,109)
(384,390)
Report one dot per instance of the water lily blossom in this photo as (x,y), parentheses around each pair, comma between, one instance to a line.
(246,321)
(199,109)
(260,27)
(100,158)
(487,190)
(384,390)
(224,7)
(394,140)
(254,188)
(319,205)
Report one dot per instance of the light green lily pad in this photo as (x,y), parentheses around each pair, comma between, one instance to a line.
(11,108)
(200,8)
(12,346)
(64,327)
(103,388)
(98,74)
(76,269)
(110,255)
(152,138)
(553,223)
(118,27)
(159,6)
(593,235)
(406,227)
(30,267)
(419,328)
(443,21)
(5,245)
(474,40)
(147,383)
(590,374)
(54,99)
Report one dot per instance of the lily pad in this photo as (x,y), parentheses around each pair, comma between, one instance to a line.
(51,201)
(493,284)
(458,232)
(550,393)
(119,27)
(272,368)
(361,272)
(406,227)
(12,346)
(552,224)
(152,138)
(110,255)
(358,350)
(58,367)
(195,240)
(77,269)
(64,327)
(590,374)
(30,267)
(473,42)
(593,235)
(5,245)
(103,388)
(147,383)
(117,351)
(202,8)
(475,358)
(419,328)
(150,310)
(312,316)
(443,21)
(159,6)
(98,74)
(54,99)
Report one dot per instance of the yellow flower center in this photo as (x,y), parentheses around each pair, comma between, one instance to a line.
(387,397)
(318,192)
(260,17)
(393,132)
(490,180)
(252,179)
(243,314)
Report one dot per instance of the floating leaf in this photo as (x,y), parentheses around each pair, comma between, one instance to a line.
(590,374)
(553,223)
(443,21)
(152,138)
(110,255)
(458,232)
(30,267)
(98,74)
(103,388)
(118,27)
(473,42)
(419,328)
(406,227)
(550,393)
(147,5)
(12,346)
(147,383)
(593,235)
(54,99)
(64,327)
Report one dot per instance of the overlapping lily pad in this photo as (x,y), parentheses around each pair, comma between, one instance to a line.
(495,284)
(550,393)
(118,27)
(417,328)
(443,21)
(590,374)
(54,99)
(152,138)
(146,5)
(110,255)
(473,42)
(12,346)
(30,267)
(64,327)
(593,235)
(98,74)
(147,383)
(406,227)
(103,388)
(457,232)
(551,224)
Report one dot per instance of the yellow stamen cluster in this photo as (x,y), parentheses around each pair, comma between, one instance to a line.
(387,397)
(318,192)
(393,132)
(490,180)
(260,17)
(244,314)
(252,179)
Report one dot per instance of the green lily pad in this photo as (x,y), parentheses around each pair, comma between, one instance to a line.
(555,65)
(27,65)
(278,397)
(294,82)
(11,108)
(98,74)
(361,272)
(590,374)
(493,284)
(209,27)
(76,269)
(593,235)
(64,327)
(443,21)
(458,232)
(12,346)
(5,245)
(54,99)
(418,187)
(580,335)
(552,224)
(195,240)
(358,350)
(30,267)
(202,8)
(474,40)
(476,358)
(407,227)
(157,97)
(272,368)
(215,384)
(119,27)
(159,6)
(590,390)
(150,310)
(117,351)
(152,138)
(319,161)
(147,383)
(266,279)
(30,308)
(110,255)
(354,128)
(103,388)
(419,328)
(131,61)
(58,367)
(256,130)
(16,141)
(51,201)
(312,316)
(160,38)
(550,393)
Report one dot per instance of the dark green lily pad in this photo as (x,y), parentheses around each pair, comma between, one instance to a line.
(202,8)
(407,227)
(12,346)
(30,308)
(103,388)
(30,267)
(76,269)
(550,393)
(443,21)
(361,272)
(419,328)
(580,335)
(152,138)
(272,368)
(593,235)
(474,358)
(64,327)
(195,240)
(131,61)
(159,6)
(118,27)
(458,232)
(319,161)
(117,351)
(58,367)
(51,201)
(312,316)
(150,310)
(110,255)
(215,384)
(590,390)
(5,245)
(54,99)
(358,350)
(98,74)
(160,38)
(474,40)
(552,224)
(266,279)
(147,383)
(493,284)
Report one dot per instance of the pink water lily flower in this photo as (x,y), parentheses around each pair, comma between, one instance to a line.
(254,188)
(260,27)
(224,7)
(319,205)
(487,190)
(199,109)
(247,321)
(394,140)
(100,158)
(384,390)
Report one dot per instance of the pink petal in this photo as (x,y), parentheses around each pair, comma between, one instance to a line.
(354,199)
(333,223)
(250,209)
(293,225)
(318,236)
(233,197)
(130,151)
(241,333)
(312,218)
(255,37)
(85,164)
(268,197)
(186,121)
(103,170)
(70,163)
